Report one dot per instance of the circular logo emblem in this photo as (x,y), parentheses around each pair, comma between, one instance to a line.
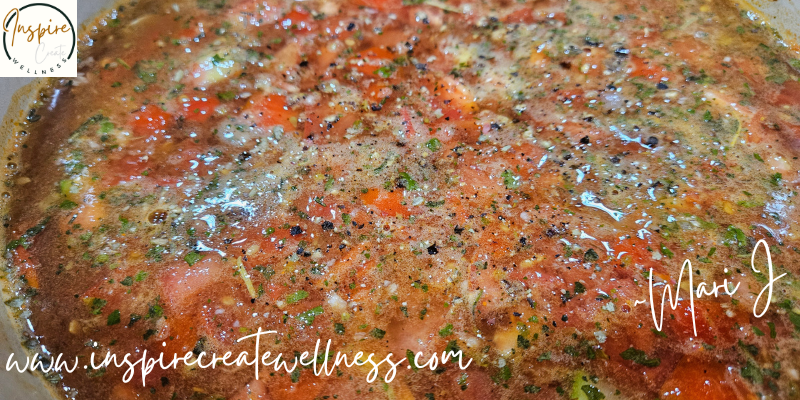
(38,38)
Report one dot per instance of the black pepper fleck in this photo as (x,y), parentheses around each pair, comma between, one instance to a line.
(433,249)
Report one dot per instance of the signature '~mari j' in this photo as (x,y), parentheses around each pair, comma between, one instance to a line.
(702,289)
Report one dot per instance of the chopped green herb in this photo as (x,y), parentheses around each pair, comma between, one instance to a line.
(385,71)
(752,372)
(407,181)
(307,317)
(640,357)
(227,96)
(666,251)
(510,180)
(776,178)
(532,389)
(296,296)
(377,333)
(155,253)
(113,318)
(267,271)
(192,257)
(446,331)
(735,236)
(67,205)
(772,332)
(338,328)
(96,305)
(411,362)
(147,72)
(433,144)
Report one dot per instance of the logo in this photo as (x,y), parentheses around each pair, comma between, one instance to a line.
(39,39)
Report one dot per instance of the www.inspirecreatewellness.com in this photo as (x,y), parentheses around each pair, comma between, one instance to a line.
(322,360)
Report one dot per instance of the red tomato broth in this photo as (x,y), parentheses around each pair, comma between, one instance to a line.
(417,172)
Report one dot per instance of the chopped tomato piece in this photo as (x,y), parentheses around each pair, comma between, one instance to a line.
(372,59)
(452,95)
(26,266)
(307,387)
(689,48)
(409,128)
(634,251)
(592,62)
(316,127)
(382,5)
(151,120)
(789,95)
(254,390)
(713,325)
(388,203)
(699,379)
(525,15)
(124,169)
(253,7)
(297,20)
(683,321)
(529,15)
(181,335)
(273,110)
(198,108)
(186,282)
(91,213)
(378,91)
(124,391)
(647,69)
(187,34)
